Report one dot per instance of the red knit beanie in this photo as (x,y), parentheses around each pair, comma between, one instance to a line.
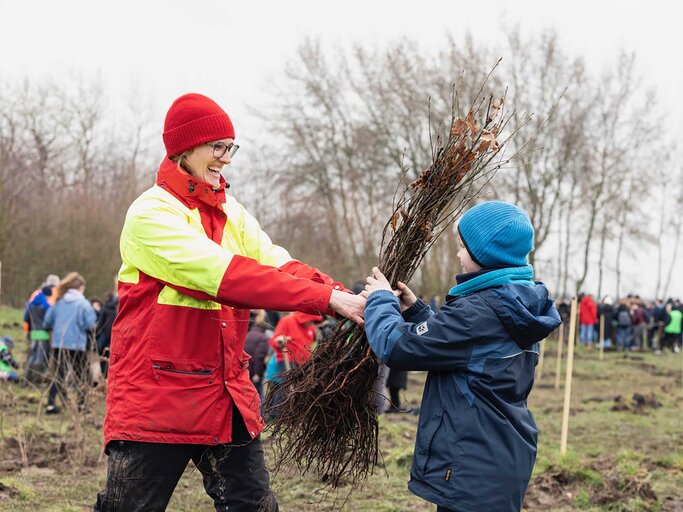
(194,119)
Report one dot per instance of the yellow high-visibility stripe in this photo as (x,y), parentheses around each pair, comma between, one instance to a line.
(243,233)
(128,274)
(163,239)
(166,240)
(173,297)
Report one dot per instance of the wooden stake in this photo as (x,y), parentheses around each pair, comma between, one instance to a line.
(576,333)
(568,381)
(539,368)
(602,337)
(558,365)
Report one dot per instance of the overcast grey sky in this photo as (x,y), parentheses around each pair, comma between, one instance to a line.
(231,50)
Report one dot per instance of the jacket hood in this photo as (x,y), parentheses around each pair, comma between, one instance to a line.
(72,295)
(527,312)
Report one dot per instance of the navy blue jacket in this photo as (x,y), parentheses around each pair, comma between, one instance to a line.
(476,439)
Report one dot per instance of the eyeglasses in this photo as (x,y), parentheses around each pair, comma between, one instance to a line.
(220,148)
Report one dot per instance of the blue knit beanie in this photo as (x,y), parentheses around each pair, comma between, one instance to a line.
(497,234)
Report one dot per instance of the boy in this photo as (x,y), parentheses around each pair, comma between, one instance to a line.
(476,439)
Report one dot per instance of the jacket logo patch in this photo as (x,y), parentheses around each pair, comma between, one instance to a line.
(421,328)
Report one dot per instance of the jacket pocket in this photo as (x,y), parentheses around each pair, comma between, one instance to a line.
(196,372)
(424,445)
(185,393)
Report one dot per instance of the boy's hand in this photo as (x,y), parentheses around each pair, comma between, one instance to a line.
(375,282)
(379,282)
(408,298)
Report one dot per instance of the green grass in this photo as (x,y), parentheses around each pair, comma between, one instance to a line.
(606,449)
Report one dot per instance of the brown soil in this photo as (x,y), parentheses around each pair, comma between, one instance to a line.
(655,370)
(672,504)
(43,450)
(8,492)
(559,487)
(638,405)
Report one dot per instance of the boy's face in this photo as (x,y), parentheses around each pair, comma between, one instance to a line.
(466,260)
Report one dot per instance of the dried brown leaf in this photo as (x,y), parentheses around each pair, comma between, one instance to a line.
(489,138)
(472,123)
(459,128)
(394,220)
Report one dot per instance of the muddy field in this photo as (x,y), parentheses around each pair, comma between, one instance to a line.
(624,446)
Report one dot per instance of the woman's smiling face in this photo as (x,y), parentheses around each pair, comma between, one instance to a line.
(203,165)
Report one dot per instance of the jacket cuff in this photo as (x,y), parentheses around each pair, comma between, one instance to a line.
(377,293)
(414,310)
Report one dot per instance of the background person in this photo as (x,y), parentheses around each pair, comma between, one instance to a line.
(8,364)
(38,358)
(294,336)
(103,330)
(70,320)
(606,311)
(256,345)
(623,325)
(588,317)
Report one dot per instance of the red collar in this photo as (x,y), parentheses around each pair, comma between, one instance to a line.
(184,186)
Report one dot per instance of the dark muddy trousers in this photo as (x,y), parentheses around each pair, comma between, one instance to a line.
(142,476)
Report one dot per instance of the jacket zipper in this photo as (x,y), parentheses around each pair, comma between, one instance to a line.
(198,372)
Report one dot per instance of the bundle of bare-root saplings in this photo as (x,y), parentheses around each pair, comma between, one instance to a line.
(325,417)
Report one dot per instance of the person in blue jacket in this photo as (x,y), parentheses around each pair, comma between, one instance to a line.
(70,320)
(476,438)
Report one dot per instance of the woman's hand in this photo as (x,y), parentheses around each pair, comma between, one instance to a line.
(348,305)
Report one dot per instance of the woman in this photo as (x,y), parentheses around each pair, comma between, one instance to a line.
(70,319)
(194,262)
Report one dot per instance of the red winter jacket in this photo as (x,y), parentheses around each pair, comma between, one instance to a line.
(194,262)
(588,311)
(300,336)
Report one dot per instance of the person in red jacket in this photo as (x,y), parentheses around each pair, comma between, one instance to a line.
(292,343)
(194,262)
(588,317)
(293,338)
